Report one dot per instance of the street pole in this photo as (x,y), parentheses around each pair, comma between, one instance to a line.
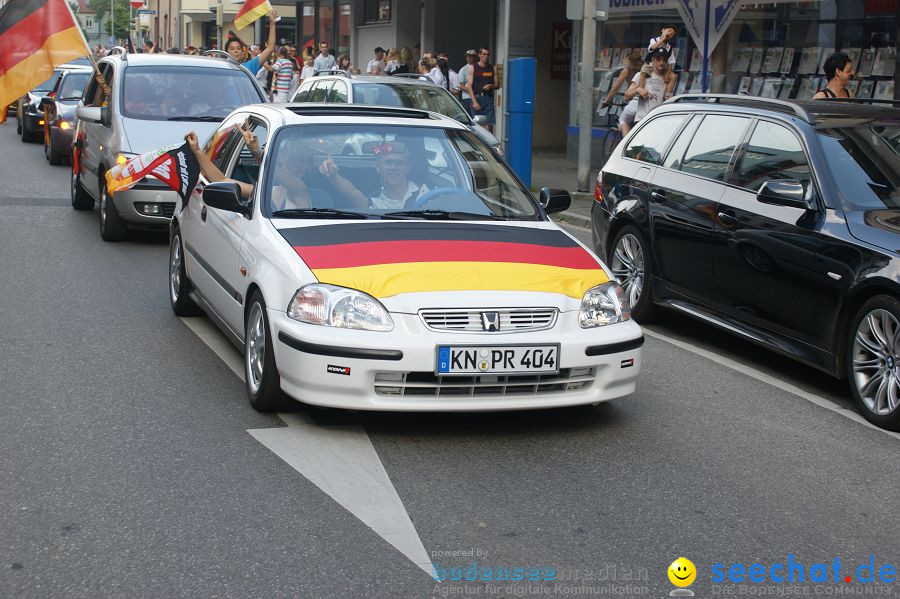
(112,24)
(585,94)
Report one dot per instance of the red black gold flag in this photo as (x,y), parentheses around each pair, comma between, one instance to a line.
(388,259)
(36,36)
(250,11)
(175,165)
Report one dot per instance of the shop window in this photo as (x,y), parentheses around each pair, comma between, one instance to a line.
(650,143)
(774,153)
(377,11)
(710,151)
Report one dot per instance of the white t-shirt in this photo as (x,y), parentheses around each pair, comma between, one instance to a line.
(386,203)
(324,63)
(656,85)
(307,72)
(462,77)
(373,64)
(667,46)
(454,81)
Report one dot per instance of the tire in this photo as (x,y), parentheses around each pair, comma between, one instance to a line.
(260,371)
(630,262)
(53,157)
(610,142)
(179,284)
(112,227)
(873,361)
(18,123)
(80,198)
(28,136)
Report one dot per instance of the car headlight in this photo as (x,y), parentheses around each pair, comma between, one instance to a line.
(333,306)
(123,157)
(602,305)
(64,125)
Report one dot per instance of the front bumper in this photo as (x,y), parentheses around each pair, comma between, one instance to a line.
(394,371)
(31,122)
(129,202)
(61,140)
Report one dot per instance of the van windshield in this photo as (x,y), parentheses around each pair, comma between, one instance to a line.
(187,93)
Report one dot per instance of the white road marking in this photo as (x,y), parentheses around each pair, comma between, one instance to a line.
(340,460)
(771,380)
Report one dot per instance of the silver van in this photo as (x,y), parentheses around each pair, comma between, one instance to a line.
(156,99)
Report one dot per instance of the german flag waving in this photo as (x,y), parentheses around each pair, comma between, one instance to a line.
(36,37)
(251,11)
(387,259)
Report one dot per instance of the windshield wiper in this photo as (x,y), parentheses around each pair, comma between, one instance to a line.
(442,215)
(317,212)
(204,118)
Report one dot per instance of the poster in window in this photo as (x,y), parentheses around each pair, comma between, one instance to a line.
(867,62)
(773,60)
(809,60)
(853,87)
(865,89)
(742,60)
(696,61)
(604,57)
(787,88)
(771,87)
(744,85)
(787,61)
(885,62)
(683,82)
(756,85)
(823,56)
(854,54)
(884,90)
(756,60)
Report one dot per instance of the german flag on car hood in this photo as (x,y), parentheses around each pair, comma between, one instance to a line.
(387,259)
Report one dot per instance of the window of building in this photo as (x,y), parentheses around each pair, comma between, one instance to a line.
(712,146)
(649,144)
(377,11)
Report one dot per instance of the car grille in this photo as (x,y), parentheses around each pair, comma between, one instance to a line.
(428,384)
(168,209)
(469,320)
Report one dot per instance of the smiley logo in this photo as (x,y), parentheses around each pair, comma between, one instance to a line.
(682,572)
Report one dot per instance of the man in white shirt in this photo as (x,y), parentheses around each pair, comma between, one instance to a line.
(376,65)
(650,90)
(324,61)
(465,80)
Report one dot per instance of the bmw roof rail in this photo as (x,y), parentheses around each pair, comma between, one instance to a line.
(314,109)
(334,72)
(894,103)
(748,101)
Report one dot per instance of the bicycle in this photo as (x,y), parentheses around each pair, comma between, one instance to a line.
(613,135)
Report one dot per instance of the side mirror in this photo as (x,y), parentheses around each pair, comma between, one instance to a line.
(89,114)
(555,200)
(47,102)
(104,116)
(480,119)
(783,193)
(225,195)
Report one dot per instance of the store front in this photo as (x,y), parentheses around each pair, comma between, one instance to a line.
(773,49)
(325,21)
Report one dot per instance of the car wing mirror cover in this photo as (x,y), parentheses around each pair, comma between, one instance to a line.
(783,193)
(224,195)
(554,200)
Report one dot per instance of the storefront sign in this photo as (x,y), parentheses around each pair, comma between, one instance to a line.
(561,58)
(620,7)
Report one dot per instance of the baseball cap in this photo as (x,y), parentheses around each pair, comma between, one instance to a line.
(659,53)
(471,53)
(379,49)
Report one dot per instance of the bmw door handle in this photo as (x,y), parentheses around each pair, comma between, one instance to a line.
(727,218)
(203,214)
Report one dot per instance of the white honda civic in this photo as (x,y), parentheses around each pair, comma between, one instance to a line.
(411,271)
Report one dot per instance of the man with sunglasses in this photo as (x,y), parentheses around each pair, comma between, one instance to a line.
(484,82)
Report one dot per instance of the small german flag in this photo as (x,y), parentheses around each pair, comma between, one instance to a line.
(387,259)
(250,11)
(36,37)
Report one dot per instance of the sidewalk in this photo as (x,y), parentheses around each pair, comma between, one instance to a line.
(556,170)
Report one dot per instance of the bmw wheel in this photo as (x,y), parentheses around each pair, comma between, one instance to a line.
(112,227)
(261,374)
(179,284)
(873,361)
(629,261)
(80,198)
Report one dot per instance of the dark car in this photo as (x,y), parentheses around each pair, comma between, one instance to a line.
(29,115)
(59,123)
(777,221)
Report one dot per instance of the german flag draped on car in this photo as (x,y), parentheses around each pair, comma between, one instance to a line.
(174,165)
(36,36)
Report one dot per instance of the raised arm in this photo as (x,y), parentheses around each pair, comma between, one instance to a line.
(210,170)
(270,43)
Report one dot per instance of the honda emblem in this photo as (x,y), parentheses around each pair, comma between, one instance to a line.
(490,321)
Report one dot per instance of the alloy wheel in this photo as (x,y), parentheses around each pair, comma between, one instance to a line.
(255,347)
(175,268)
(628,267)
(876,361)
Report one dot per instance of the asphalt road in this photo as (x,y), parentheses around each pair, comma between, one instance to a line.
(127,468)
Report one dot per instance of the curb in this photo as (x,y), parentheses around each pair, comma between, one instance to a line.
(579,214)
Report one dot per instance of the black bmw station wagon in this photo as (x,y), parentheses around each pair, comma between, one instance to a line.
(777,221)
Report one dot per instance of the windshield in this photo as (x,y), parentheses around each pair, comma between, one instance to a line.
(161,93)
(47,85)
(864,160)
(423,97)
(385,172)
(72,86)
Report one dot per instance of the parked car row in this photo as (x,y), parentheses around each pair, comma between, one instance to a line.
(776,221)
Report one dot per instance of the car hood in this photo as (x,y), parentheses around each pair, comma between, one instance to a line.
(878,227)
(409,264)
(485,135)
(144,136)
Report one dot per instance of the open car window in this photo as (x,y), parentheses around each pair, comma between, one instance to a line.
(389,172)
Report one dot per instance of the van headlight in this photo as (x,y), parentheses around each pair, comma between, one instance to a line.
(602,305)
(333,306)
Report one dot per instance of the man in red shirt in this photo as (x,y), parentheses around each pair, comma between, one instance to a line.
(484,82)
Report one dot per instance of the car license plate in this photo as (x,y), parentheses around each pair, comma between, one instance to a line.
(493,359)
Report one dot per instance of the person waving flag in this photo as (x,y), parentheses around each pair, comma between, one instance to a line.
(36,36)
(250,11)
